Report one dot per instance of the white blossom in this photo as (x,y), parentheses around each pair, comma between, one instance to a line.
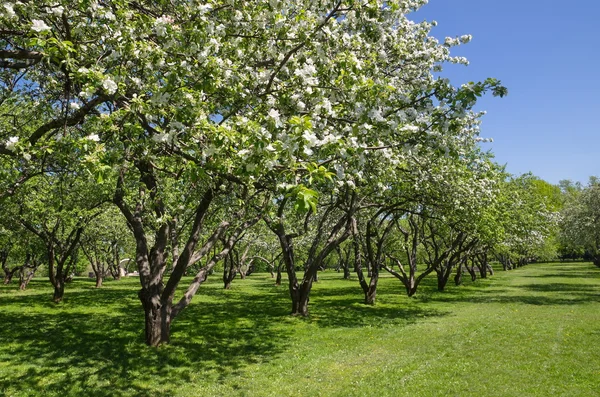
(10,12)
(39,25)
(93,137)
(275,116)
(58,10)
(12,141)
(110,86)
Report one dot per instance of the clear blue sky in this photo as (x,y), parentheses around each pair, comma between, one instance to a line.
(548,55)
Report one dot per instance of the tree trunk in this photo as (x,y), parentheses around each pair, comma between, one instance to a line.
(346,271)
(59,290)
(459,273)
(278,279)
(301,297)
(229,271)
(371,291)
(98,280)
(25,277)
(7,272)
(442,278)
(157,316)
(7,276)
(370,288)
(483,265)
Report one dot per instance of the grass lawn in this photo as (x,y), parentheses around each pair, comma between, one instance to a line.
(534,331)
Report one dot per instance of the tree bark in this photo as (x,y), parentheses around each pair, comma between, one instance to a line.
(157,315)
(98,279)
(459,273)
(442,277)
(27,271)
(278,279)
(229,271)
(59,290)
(369,289)
(8,274)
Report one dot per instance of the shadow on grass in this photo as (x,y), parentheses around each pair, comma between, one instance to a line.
(530,294)
(568,274)
(92,344)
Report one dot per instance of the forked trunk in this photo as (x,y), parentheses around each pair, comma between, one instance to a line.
(370,288)
(301,297)
(411,286)
(24,278)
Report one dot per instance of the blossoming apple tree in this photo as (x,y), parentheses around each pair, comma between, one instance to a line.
(213,111)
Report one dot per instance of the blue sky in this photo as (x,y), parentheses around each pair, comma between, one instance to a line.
(548,55)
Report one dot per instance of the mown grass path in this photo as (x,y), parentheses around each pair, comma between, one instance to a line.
(534,331)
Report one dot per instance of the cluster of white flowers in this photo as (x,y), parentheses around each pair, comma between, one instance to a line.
(56,10)
(307,73)
(39,26)
(12,141)
(9,10)
(160,25)
(275,116)
(110,86)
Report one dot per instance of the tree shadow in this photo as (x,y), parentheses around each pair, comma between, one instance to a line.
(592,291)
(93,343)
(567,274)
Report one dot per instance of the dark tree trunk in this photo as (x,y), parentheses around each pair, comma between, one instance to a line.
(8,273)
(301,298)
(346,271)
(369,289)
(26,273)
(229,271)
(459,273)
(471,270)
(59,290)
(278,279)
(157,316)
(483,265)
(442,277)
(116,274)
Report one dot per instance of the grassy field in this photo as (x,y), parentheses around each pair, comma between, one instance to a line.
(534,331)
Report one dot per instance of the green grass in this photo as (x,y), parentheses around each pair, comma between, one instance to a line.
(532,331)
